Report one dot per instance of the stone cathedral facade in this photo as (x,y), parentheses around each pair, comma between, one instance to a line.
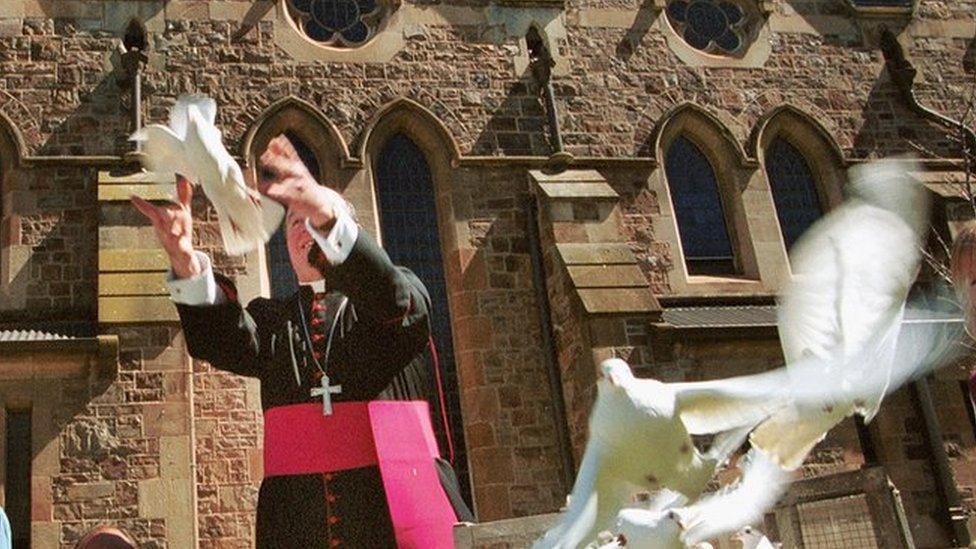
(573,179)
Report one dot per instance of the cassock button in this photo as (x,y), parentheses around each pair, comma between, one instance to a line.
(334,543)
(333,520)
(330,498)
(329,476)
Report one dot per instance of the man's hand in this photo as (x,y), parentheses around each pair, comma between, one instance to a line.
(283,177)
(174,228)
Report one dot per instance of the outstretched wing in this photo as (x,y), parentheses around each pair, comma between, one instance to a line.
(707,407)
(596,497)
(761,485)
(247,218)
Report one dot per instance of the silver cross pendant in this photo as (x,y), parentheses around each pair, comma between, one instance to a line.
(326,391)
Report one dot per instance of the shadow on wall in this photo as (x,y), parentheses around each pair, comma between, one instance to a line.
(835,22)
(889,128)
(969,58)
(87,111)
(646,15)
(517,126)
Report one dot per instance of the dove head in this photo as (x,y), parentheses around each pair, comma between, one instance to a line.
(616,372)
(888,184)
(748,536)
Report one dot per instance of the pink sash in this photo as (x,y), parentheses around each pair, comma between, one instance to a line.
(394,435)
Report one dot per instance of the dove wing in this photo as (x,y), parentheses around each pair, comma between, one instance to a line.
(596,498)
(707,407)
(761,485)
(179,114)
(164,151)
(247,219)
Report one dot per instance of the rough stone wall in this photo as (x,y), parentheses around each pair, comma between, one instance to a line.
(52,212)
(229,434)
(572,345)
(114,437)
(509,430)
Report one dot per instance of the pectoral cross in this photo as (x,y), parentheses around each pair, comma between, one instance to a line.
(326,391)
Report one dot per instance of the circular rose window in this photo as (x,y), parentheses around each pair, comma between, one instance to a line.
(712,26)
(339,23)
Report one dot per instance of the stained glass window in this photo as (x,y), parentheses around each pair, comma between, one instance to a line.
(408,219)
(794,190)
(698,208)
(342,23)
(283,280)
(713,26)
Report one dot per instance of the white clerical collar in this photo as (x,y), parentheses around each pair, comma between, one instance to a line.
(318,286)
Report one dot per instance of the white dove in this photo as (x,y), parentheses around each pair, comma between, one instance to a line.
(751,538)
(640,441)
(191,146)
(839,323)
(659,526)
(852,271)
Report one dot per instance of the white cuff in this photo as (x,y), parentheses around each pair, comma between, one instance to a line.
(196,290)
(337,245)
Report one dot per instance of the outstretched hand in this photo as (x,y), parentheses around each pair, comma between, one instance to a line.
(173,223)
(283,177)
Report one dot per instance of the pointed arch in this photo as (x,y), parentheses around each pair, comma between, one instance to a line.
(693,118)
(704,173)
(814,143)
(404,115)
(12,146)
(771,121)
(317,138)
(306,121)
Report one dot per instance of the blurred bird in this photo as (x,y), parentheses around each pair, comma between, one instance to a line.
(191,146)
(852,271)
(839,320)
(640,440)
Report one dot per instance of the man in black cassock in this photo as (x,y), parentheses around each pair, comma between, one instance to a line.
(356,331)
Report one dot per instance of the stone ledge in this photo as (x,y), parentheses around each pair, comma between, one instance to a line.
(517,532)
(606,253)
(136,309)
(148,185)
(619,301)
(608,280)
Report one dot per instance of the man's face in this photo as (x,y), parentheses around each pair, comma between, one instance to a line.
(299,242)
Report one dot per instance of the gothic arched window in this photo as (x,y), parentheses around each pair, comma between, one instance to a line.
(284,282)
(794,190)
(408,221)
(701,220)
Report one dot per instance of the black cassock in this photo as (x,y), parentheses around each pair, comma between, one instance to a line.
(369,333)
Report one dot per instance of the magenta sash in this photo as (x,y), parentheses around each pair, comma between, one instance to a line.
(394,435)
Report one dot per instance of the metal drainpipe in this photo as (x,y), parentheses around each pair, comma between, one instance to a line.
(552,359)
(944,477)
(557,140)
(133,55)
(903,74)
